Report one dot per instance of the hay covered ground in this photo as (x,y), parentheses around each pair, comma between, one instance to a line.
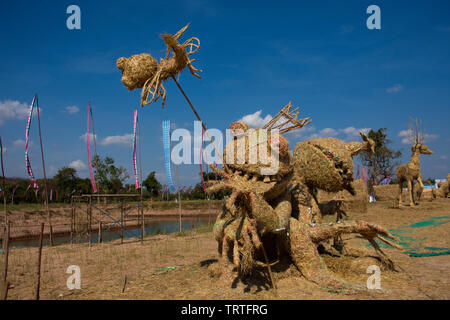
(178,267)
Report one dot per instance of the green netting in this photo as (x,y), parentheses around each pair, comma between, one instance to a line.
(413,245)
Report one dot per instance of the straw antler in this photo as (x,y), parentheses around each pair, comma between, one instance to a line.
(416,135)
(287,116)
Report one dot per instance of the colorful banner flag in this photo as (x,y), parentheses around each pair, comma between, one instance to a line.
(135,122)
(27,136)
(88,139)
(166,142)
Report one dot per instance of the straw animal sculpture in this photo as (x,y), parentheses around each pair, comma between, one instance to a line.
(411,171)
(143,71)
(266,218)
(444,188)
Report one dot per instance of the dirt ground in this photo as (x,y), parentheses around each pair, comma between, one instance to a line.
(178,267)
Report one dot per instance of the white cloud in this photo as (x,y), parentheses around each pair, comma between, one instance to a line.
(353,133)
(395,88)
(126,139)
(52,171)
(324,133)
(78,165)
(255,120)
(12,110)
(430,137)
(346,134)
(19,143)
(71,109)
(91,137)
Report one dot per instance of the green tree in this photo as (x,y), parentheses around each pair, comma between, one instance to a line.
(65,181)
(109,177)
(199,193)
(381,165)
(152,184)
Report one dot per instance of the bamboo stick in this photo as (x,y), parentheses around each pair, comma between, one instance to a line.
(38,272)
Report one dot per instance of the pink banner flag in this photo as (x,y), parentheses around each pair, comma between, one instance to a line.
(88,139)
(27,136)
(135,122)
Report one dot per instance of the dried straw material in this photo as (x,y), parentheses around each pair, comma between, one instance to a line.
(143,71)
(136,70)
(386,192)
(444,188)
(324,163)
(350,203)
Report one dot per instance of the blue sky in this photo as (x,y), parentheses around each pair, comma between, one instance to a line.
(256,56)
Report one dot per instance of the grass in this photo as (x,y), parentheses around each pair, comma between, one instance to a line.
(156,205)
(195,231)
(103,266)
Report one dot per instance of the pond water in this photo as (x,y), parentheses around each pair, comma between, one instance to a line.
(153,226)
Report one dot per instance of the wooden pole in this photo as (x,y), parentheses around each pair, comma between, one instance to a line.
(3,184)
(89,212)
(100,232)
(5,284)
(121,221)
(179,198)
(72,218)
(45,176)
(196,114)
(141,195)
(38,272)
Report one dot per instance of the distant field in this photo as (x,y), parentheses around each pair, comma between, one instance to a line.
(157,205)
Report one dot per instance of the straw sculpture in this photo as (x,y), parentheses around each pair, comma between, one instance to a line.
(411,171)
(143,71)
(327,164)
(444,188)
(267,219)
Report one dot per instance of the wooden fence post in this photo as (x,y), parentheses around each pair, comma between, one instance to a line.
(121,221)
(5,284)
(100,232)
(90,221)
(72,217)
(38,273)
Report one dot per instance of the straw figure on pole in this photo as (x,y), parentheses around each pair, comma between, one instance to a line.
(261,223)
(411,171)
(142,70)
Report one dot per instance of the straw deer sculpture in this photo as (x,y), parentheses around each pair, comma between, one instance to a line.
(411,171)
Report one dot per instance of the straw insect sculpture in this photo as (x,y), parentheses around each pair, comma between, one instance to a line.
(327,164)
(143,71)
(268,218)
